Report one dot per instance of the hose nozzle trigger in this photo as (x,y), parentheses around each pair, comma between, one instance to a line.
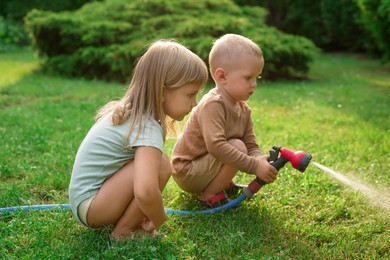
(274,154)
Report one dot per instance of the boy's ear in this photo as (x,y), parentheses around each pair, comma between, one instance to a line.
(220,75)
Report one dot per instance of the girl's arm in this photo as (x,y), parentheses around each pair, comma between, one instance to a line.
(147,193)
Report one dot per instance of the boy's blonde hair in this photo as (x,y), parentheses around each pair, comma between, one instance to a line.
(165,65)
(230,47)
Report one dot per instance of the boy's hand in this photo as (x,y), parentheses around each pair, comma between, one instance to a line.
(265,171)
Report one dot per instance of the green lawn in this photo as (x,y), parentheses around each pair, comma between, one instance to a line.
(340,116)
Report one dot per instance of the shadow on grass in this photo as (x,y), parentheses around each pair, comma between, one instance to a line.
(242,232)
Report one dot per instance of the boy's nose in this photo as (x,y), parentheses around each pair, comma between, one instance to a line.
(254,84)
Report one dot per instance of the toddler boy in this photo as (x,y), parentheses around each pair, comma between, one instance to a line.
(218,139)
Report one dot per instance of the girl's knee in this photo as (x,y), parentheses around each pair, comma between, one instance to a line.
(239,145)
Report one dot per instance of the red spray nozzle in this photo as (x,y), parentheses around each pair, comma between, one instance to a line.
(299,160)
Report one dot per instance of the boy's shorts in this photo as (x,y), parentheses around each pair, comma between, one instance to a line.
(201,172)
(82,210)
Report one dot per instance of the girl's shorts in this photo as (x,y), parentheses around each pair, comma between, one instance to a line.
(82,210)
(201,172)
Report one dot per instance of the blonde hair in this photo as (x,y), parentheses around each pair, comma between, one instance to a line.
(165,65)
(229,48)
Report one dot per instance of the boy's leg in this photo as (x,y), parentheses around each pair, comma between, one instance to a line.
(113,204)
(200,173)
(224,176)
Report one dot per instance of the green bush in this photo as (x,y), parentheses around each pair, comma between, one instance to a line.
(376,19)
(16,9)
(12,12)
(342,24)
(12,33)
(299,17)
(331,25)
(103,39)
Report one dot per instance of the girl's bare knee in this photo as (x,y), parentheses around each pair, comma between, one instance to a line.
(239,145)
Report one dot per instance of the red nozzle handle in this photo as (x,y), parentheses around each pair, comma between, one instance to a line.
(257,183)
(299,160)
(253,187)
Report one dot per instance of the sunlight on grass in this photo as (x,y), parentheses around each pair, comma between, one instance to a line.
(385,84)
(10,75)
(15,66)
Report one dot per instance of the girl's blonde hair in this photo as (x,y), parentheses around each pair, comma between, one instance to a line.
(229,48)
(165,65)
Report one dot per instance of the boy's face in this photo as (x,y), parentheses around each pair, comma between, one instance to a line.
(241,78)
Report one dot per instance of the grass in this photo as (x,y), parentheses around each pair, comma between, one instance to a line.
(340,116)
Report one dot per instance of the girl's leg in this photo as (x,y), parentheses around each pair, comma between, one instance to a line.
(113,203)
(225,174)
(133,216)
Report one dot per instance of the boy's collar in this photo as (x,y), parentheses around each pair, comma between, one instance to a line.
(224,93)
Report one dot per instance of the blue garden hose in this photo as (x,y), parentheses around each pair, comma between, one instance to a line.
(35,207)
(232,204)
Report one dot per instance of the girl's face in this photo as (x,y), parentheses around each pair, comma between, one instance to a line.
(241,79)
(178,102)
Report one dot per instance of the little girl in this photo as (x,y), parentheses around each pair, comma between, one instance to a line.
(120,167)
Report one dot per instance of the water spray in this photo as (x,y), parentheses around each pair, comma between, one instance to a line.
(279,157)
(380,198)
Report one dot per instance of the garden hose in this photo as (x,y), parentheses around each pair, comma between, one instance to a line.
(232,204)
(299,160)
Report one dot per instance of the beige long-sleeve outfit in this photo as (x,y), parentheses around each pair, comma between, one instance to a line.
(203,146)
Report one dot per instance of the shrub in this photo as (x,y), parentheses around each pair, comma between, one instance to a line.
(16,9)
(12,12)
(341,22)
(331,25)
(12,33)
(299,17)
(376,19)
(103,39)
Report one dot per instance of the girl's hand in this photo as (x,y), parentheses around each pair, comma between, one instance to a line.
(265,171)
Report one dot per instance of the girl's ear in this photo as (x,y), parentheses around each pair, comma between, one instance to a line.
(220,75)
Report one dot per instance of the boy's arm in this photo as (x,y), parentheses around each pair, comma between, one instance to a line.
(249,139)
(147,193)
(212,125)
